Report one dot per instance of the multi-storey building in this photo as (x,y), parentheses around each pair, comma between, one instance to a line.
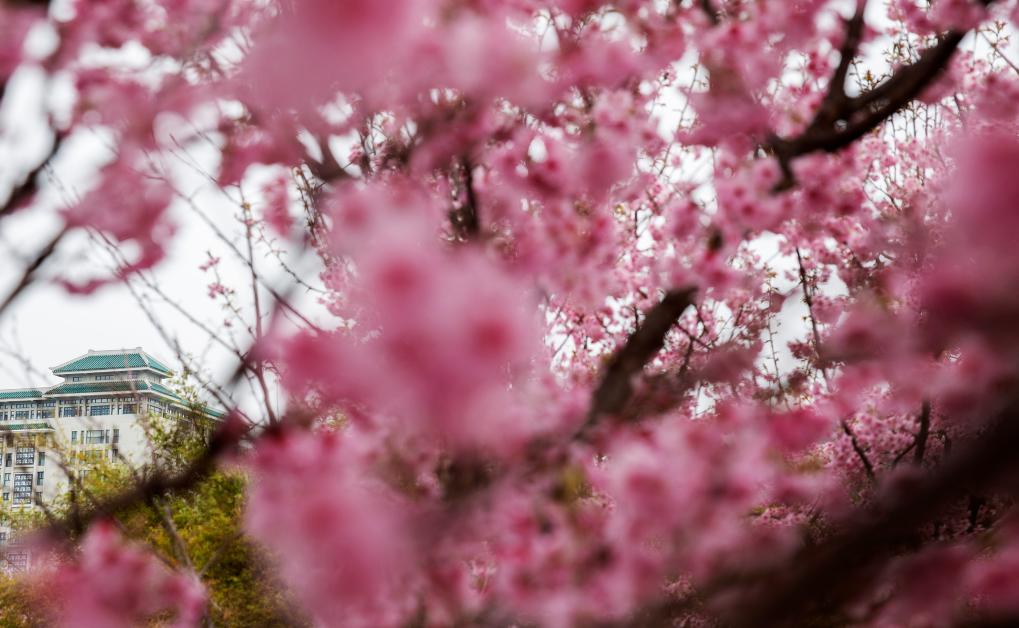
(98,412)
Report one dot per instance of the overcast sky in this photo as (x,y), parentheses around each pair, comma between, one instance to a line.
(47,326)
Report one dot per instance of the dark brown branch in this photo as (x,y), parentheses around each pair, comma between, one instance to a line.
(28,276)
(899,457)
(829,574)
(924,432)
(861,454)
(709,9)
(326,169)
(841,120)
(616,385)
(464,219)
(24,193)
(850,47)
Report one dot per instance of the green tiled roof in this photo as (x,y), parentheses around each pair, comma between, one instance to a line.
(81,388)
(159,388)
(84,388)
(105,361)
(113,361)
(28,393)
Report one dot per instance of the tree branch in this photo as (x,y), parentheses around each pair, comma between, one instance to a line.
(24,193)
(709,10)
(224,439)
(840,120)
(464,219)
(616,386)
(826,575)
(28,276)
(867,466)
(921,436)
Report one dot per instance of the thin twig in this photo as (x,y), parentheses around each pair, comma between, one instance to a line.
(867,466)
(28,276)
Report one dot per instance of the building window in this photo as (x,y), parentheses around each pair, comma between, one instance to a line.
(21,414)
(94,437)
(7,497)
(45,414)
(9,461)
(129,408)
(42,458)
(69,411)
(38,477)
(93,455)
(22,488)
(74,437)
(16,561)
(25,456)
(99,410)
(76,378)
(7,479)
(3,538)
(116,435)
(103,378)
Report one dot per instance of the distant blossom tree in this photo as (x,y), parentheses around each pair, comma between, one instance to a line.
(557,240)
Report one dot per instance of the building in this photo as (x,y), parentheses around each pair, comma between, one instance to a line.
(97,412)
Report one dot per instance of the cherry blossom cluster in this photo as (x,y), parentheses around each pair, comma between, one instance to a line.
(636,308)
(111,583)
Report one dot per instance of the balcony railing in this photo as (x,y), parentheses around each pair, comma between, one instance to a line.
(36,425)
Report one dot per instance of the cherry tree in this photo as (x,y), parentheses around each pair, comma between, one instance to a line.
(640,313)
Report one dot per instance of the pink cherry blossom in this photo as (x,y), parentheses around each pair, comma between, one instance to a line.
(623,312)
(113,584)
(341,543)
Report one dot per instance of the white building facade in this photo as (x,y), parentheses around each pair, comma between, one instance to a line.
(98,412)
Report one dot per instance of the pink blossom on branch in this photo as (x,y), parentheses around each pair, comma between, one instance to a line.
(341,541)
(505,197)
(114,584)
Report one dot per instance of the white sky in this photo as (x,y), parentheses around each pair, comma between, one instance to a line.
(47,326)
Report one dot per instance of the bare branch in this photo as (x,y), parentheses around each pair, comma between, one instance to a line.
(921,436)
(223,440)
(28,276)
(861,454)
(464,219)
(24,193)
(616,386)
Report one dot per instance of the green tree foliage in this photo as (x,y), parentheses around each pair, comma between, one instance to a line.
(199,530)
